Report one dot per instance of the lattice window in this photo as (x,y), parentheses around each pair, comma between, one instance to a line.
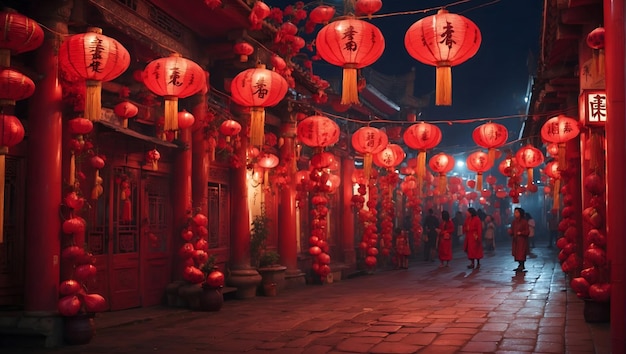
(132,4)
(159,212)
(218,213)
(165,22)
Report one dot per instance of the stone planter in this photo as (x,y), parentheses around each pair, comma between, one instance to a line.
(211,298)
(78,329)
(273,275)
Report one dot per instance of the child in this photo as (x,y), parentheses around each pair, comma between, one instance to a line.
(403,251)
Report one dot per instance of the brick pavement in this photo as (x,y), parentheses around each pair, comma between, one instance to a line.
(425,309)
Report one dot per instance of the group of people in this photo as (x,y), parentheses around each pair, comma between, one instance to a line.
(480,232)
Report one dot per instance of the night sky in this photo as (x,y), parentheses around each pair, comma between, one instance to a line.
(492,84)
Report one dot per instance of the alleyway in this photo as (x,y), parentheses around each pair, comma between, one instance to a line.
(425,309)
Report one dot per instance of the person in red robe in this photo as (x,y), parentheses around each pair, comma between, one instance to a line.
(519,231)
(473,244)
(444,240)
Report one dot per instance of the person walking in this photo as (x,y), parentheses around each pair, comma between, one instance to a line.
(431,223)
(403,250)
(444,240)
(490,234)
(473,244)
(519,231)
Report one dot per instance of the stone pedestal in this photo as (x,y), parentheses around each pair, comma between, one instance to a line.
(246,281)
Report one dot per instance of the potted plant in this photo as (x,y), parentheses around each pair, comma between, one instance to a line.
(212,298)
(266,261)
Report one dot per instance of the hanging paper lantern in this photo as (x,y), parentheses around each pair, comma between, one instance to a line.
(95,58)
(152,157)
(185,119)
(490,136)
(267,161)
(478,162)
(595,40)
(322,14)
(243,49)
(529,157)
(552,149)
(18,34)
(441,164)
(230,128)
(368,7)
(318,131)
(11,133)
(278,63)
(125,110)
(508,167)
(259,12)
(390,157)
(559,130)
(14,86)
(351,44)
(421,137)
(552,170)
(443,40)
(369,141)
(80,126)
(258,88)
(173,77)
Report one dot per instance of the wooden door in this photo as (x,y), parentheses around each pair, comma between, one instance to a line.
(155,238)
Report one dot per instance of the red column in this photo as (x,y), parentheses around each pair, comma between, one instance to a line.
(200,165)
(616,174)
(347,215)
(287,237)
(43,180)
(181,198)
(240,213)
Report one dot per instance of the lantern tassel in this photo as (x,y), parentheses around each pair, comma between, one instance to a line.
(3,151)
(562,160)
(5,58)
(555,199)
(171,113)
(367,165)
(420,170)
(443,88)
(479,181)
(530,174)
(595,151)
(257,126)
(72,177)
(491,156)
(93,105)
(443,180)
(350,91)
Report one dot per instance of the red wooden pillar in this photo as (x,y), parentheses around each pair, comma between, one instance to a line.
(43,180)
(287,237)
(347,215)
(616,174)
(200,163)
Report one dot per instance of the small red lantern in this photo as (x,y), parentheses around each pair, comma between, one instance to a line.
(258,88)
(152,157)
(422,136)
(529,157)
(125,110)
(278,63)
(443,40)
(595,41)
(369,141)
(552,149)
(478,162)
(441,164)
(259,12)
(368,7)
(243,49)
(267,161)
(322,14)
(390,157)
(14,86)
(318,131)
(18,34)
(490,136)
(95,58)
(11,133)
(173,77)
(559,130)
(80,126)
(230,128)
(185,119)
(351,44)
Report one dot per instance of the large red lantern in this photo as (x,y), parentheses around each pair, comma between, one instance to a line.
(173,77)
(18,34)
(369,141)
(559,130)
(441,164)
(479,162)
(11,133)
(95,58)
(490,136)
(390,157)
(352,44)
(443,40)
(421,137)
(14,86)
(529,157)
(318,131)
(258,88)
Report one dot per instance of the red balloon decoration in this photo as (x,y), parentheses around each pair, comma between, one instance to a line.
(351,44)
(258,88)
(443,40)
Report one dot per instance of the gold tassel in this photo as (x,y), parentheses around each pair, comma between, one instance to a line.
(350,93)
(257,126)
(72,178)
(530,173)
(420,171)
(595,151)
(155,165)
(171,113)
(491,156)
(93,105)
(443,180)
(443,88)
(367,166)
(479,181)
(3,151)
(562,161)
(5,58)
(555,200)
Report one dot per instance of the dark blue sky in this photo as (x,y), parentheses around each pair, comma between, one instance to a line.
(491,84)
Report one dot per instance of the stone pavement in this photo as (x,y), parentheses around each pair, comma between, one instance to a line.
(425,309)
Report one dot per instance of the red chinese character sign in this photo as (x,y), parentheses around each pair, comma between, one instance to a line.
(369,141)
(490,136)
(443,40)
(441,164)
(351,44)
(593,107)
(95,58)
(479,162)
(258,88)
(421,137)
(559,130)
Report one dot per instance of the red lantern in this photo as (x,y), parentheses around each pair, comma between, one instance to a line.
(422,136)
(185,119)
(552,170)
(559,130)
(258,88)
(243,49)
(443,40)
(80,126)
(478,162)
(173,77)
(230,128)
(391,156)
(18,34)
(152,157)
(278,63)
(529,157)
(490,136)
(14,86)
(318,131)
(322,14)
(268,160)
(352,44)
(259,12)
(95,58)
(213,4)
(125,110)
(369,141)
(368,7)
(441,164)
(595,40)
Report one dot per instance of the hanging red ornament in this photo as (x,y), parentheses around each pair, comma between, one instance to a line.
(595,40)
(559,130)
(421,137)
(529,157)
(125,110)
(18,34)
(368,7)
(318,131)
(441,163)
(322,14)
(185,119)
(369,141)
(243,49)
(230,128)
(11,133)
(478,162)
(152,157)
(259,12)
(390,157)
(14,86)
(490,136)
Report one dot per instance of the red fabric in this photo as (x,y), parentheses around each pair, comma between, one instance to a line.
(519,232)
(445,240)
(473,245)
